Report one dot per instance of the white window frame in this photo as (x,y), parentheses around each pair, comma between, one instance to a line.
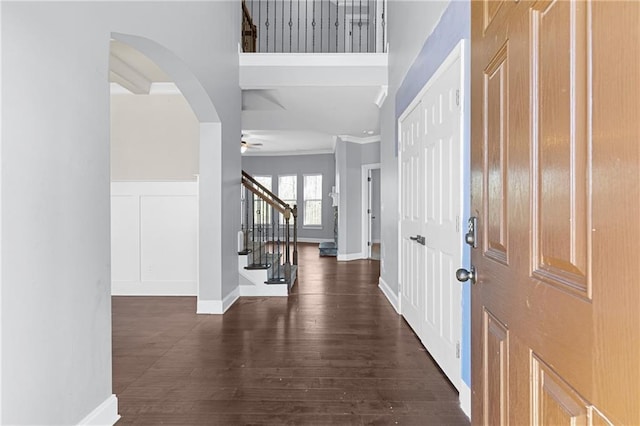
(291,202)
(270,188)
(305,199)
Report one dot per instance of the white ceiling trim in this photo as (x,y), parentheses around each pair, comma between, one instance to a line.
(314,59)
(362,141)
(286,153)
(128,77)
(164,88)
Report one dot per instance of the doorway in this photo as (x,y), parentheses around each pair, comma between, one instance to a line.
(431,209)
(371,227)
(154,189)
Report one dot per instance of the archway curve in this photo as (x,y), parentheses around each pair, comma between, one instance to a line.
(181,75)
(210,183)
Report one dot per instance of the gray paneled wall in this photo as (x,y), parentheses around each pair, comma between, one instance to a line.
(300,165)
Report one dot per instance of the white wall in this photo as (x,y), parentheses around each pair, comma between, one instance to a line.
(56,310)
(409,24)
(153,137)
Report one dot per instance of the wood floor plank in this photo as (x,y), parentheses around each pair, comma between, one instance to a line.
(332,353)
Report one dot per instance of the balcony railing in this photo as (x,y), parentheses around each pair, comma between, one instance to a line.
(314,26)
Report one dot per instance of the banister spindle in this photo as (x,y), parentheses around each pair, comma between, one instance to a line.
(298,34)
(275,25)
(266,24)
(384,47)
(313,25)
(344,32)
(290,24)
(337,22)
(368,26)
(351,34)
(360,28)
(321,16)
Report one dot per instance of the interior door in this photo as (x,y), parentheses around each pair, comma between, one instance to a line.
(411,218)
(555,185)
(374,235)
(441,326)
(369,212)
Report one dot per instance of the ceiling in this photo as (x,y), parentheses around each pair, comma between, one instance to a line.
(285,120)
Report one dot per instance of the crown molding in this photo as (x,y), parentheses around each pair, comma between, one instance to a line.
(362,141)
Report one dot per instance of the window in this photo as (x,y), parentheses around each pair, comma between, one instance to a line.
(264,181)
(312,200)
(262,216)
(288,191)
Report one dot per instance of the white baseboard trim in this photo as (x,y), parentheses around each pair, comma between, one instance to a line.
(154,288)
(465,398)
(230,299)
(350,256)
(391,296)
(104,414)
(264,290)
(212,307)
(218,307)
(315,240)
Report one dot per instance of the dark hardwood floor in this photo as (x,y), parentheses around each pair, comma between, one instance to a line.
(333,353)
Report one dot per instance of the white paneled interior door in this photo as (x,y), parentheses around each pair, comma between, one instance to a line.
(411,220)
(442,321)
(431,207)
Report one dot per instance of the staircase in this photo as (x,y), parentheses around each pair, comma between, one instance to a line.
(268,248)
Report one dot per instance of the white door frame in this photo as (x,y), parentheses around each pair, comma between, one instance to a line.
(365,218)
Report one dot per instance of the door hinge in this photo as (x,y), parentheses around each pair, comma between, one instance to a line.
(369,211)
(458,97)
(369,179)
(369,243)
(457,349)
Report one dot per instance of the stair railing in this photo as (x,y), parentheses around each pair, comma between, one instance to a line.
(269,227)
(314,26)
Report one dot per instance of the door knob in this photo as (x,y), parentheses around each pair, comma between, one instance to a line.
(463,275)
(419,239)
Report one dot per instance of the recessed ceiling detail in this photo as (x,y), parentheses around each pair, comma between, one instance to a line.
(132,70)
(261,100)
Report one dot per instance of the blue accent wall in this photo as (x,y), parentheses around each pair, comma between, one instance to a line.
(454,26)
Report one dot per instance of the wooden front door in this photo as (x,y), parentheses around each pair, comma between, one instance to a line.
(556,187)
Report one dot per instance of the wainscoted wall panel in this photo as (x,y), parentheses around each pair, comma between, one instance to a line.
(154,238)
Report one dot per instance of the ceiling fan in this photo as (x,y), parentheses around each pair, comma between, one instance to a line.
(244,145)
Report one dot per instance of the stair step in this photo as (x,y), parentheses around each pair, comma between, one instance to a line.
(282,278)
(262,260)
(328,249)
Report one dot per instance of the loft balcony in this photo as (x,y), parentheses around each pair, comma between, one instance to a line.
(314,26)
(311,71)
(313,43)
